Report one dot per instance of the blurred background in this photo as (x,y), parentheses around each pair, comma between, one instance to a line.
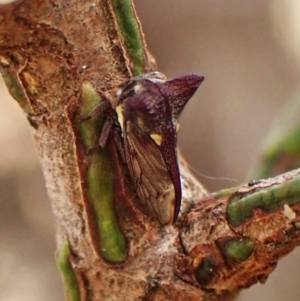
(249,53)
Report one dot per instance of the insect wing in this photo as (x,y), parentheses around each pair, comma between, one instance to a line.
(168,149)
(143,115)
(149,173)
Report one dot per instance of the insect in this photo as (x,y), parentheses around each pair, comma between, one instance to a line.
(143,117)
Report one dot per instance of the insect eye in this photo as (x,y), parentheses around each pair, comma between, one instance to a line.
(138,88)
(118,92)
(156,77)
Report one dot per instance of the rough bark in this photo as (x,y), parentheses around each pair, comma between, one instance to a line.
(55,56)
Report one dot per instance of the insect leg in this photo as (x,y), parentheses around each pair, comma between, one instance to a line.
(100,108)
(106,129)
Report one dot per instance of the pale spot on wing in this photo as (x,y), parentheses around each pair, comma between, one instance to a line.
(156,138)
(119,111)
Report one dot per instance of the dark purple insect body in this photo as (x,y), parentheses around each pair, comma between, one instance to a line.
(143,116)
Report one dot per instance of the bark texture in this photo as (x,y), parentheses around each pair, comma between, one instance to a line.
(55,57)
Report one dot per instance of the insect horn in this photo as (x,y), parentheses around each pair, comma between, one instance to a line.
(169,153)
(180,90)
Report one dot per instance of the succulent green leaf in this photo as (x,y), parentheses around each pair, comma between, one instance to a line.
(100,180)
(14,89)
(269,199)
(239,249)
(67,273)
(129,26)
